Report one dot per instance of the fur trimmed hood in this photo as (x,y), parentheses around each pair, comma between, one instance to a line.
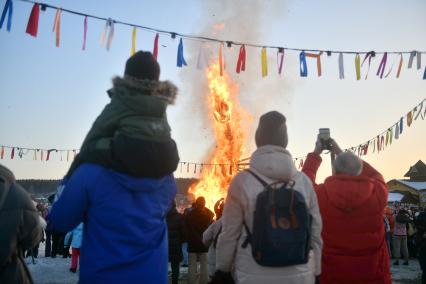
(164,90)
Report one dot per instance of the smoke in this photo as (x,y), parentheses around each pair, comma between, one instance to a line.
(249,21)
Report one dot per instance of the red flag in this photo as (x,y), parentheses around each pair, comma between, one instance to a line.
(12,154)
(32,26)
(241,63)
(155,52)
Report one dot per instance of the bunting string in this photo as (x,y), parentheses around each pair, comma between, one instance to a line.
(377,144)
(108,35)
(205,38)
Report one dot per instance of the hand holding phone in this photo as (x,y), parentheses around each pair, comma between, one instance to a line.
(324,137)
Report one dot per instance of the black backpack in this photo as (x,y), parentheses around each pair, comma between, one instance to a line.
(281,226)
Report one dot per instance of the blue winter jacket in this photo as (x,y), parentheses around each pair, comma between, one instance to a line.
(125,231)
(76,235)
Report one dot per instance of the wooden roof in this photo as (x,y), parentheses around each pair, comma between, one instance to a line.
(417,172)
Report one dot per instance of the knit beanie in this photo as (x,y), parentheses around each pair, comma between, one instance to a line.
(272,130)
(143,66)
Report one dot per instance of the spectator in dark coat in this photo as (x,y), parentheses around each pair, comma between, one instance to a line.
(176,237)
(196,222)
(49,233)
(20,229)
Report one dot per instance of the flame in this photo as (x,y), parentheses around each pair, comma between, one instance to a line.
(227,119)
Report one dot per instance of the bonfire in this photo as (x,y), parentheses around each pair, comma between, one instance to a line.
(227,119)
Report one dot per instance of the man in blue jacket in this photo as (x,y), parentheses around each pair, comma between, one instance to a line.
(125,230)
(125,233)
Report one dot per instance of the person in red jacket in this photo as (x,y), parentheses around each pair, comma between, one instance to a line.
(351,203)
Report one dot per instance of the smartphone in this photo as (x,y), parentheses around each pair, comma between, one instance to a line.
(324,136)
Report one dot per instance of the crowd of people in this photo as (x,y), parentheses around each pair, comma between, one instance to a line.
(115,207)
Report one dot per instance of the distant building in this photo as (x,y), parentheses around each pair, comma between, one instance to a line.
(413,189)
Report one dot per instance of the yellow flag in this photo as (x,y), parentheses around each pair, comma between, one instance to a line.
(264,61)
(358,67)
(133,51)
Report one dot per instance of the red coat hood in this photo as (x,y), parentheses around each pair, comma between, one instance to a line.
(348,192)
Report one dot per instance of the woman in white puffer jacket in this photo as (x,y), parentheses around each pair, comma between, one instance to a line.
(271,162)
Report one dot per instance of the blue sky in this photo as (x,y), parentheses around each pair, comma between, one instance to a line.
(50,96)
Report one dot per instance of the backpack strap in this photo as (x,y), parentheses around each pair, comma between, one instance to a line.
(248,238)
(264,183)
(249,235)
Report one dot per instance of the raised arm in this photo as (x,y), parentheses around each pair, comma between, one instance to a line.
(311,165)
(312,162)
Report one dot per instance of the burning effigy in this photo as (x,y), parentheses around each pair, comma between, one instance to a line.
(227,119)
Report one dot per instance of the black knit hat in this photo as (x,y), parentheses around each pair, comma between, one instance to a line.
(142,65)
(272,130)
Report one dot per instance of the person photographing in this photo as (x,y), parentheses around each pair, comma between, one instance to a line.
(351,202)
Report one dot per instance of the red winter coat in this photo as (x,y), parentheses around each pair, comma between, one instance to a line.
(355,249)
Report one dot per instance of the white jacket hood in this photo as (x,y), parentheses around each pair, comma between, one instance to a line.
(274,162)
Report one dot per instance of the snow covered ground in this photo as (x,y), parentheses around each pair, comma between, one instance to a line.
(48,270)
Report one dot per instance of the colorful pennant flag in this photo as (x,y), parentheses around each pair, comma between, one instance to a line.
(280,60)
(393,63)
(400,66)
(397,130)
(180,58)
(409,118)
(133,50)
(382,65)
(8,9)
(264,61)
(84,33)
(221,59)
(358,66)
(57,26)
(418,55)
(368,56)
(155,50)
(241,62)
(318,57)
(110,34)
(341,67)
(302,64)
(109,29)
(32,26)
(419,108)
